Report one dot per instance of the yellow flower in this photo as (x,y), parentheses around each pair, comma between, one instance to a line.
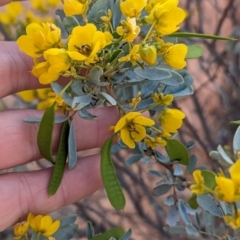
(148,54)
(39,38)
(27,96)
(43,224)
(43,5)
(10,16)
(132,8)
(163,100)
(20,230)
(136,100)
(152,3)
(166,17)
(175,56)
(75,7)
(86,48)
(129,29)
(171,119)
(154,142)
(57,62)
(132,57)
(198,187)
(107,18)
(132,128)
(233,222)
(234,171)
(226,190)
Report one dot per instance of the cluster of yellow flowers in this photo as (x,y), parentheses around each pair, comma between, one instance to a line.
(227,189)
(86,47)
(16,13)
(41,225)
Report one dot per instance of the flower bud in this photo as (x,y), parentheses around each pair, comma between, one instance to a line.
(148,54)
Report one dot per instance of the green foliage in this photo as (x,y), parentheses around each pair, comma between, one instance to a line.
(110,181)
(116,233)
(177,151)
(60,160)
(44,137)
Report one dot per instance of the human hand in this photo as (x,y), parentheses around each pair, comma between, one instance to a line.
(24,192)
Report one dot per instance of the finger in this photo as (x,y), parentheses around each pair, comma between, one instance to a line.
(18,140)
(26,192)
(15,70)
(4,2)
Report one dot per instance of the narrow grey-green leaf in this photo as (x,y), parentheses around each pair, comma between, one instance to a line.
(172,216)
(183,212)
(70,23)
(207,203)
(153,73)
(94,75)
(197,220)
(83,113)
(58,170)
(117,14)
(162,189)
(169,201)
(80,102)
(110,181)
(177,151)
(70,219)
(236,141)
(191,230)
(44,137)
(175,229)
(98,9)
(116,232)
(194,51)
(66,232)
(192,163)
(235,122)
(174,80)
(90,230)
(116,55)
(127,235)
(155,173)
(107,97)
(224,156)
(57,119)
(200,35)
(178,171)
(72,147)
(133,159)
(229,237)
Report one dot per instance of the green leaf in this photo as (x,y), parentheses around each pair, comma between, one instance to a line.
(72,147)
(83,113)
(200,35)
(209,178)
(191,230)
(70,219)
(194,51)
(110,181)
(116,232)
(44,137)
(70,23)
(60,161)
(235,122)
(177,151)
(153,73)
(193,202)
(115,55)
